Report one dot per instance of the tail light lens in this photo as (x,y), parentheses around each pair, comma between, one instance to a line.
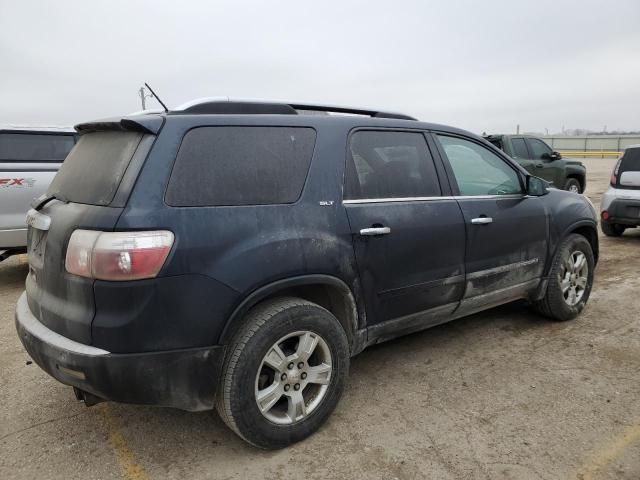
(614,175)
(117,255)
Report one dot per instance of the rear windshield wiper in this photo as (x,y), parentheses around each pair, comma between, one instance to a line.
(43,199)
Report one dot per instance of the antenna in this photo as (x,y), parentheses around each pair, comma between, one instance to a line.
(157,98)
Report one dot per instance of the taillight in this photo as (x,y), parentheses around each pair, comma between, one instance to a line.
(614,175)
(117,255)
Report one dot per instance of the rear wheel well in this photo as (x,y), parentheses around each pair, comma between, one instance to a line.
(338,301)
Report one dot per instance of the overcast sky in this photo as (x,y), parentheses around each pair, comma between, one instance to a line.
(481,65)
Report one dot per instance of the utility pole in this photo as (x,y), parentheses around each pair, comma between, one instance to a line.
(518,129)
(143,97)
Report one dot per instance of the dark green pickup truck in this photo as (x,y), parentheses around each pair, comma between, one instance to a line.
(538,158)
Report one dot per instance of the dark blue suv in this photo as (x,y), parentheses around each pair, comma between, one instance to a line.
(237,254)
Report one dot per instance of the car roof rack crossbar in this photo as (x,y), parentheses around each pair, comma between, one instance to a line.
(224,105)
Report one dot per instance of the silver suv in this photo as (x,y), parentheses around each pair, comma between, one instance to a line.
(620,206)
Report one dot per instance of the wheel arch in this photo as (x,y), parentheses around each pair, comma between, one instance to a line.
(587,229)
(580,178)
(327,291)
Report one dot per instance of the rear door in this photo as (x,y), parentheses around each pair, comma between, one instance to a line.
(408,232)
(88,192)
(506,230)
(28,163)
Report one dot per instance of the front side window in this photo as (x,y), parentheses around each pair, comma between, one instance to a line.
(519,148)
(539,149)
(228,166)
(477,170)
(383,164)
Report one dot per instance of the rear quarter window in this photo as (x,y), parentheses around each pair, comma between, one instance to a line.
(225,166)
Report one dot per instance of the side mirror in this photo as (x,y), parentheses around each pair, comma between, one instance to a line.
(551,156)
(536,186)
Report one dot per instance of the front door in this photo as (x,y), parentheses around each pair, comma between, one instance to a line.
(409,240)
(506,229)
(544,165)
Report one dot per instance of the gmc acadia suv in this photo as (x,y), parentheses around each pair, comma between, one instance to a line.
(237,254)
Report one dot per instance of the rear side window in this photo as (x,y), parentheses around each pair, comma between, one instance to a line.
(34,147)
(519,148)
(218,166)
(386,164)
(94,168)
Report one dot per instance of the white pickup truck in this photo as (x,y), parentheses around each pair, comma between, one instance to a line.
(29,159)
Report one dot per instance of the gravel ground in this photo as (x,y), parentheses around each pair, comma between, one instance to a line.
(499,395)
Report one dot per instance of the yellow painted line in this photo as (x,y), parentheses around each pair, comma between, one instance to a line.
(131,469)
(22,259)
(600,459)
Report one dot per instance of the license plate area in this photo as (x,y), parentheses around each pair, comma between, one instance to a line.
(36,247)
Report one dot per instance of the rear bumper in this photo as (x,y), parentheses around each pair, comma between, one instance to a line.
(624,211)
(184,379)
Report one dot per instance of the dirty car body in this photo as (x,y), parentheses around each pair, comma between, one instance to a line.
(335,226)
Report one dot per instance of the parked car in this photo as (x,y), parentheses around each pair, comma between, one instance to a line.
(237,254)
(620,205)
(29,159)
(538,159)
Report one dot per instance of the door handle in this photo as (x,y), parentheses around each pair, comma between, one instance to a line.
(481,220)
(374,231)
(539,165)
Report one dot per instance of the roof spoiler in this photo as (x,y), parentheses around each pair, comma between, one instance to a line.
(143,123)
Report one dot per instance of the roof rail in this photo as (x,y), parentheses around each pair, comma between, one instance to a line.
(349,110)
(226,105)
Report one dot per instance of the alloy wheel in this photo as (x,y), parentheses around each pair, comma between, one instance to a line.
(293,377)
(574,277)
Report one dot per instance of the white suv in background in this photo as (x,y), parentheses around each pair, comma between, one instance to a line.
(620,206)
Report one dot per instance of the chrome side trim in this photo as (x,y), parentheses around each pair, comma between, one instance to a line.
(502,269)
(423,199)
(38,220)
(28,321)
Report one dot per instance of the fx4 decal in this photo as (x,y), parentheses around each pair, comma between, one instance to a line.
(17,182)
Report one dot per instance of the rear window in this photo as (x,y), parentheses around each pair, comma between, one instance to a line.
(94,168)
(34,147)
(630,161)
(218,166)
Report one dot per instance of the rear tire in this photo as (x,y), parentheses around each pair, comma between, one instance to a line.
(573,185)
(271,392)
(612,229)
(570,280)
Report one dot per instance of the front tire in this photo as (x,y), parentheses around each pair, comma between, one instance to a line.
(570,280)
(612,229)
(573,185)
(284,372)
